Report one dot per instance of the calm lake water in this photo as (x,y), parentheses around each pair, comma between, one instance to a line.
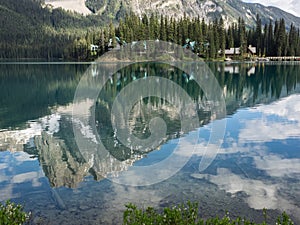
(42,167)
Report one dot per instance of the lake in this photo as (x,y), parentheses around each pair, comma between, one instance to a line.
(77,145)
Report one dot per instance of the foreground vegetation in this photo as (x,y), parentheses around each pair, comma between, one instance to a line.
(12,214)
(186,214)
(183,214)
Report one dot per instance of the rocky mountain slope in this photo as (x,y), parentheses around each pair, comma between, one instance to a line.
(230,10)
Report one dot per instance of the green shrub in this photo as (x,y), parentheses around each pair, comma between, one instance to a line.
(12,214)
(185,214)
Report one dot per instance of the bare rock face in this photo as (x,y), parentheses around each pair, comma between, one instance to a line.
(229,10)
(59,165)
(174,8)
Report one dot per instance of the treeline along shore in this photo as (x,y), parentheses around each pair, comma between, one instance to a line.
(33,30)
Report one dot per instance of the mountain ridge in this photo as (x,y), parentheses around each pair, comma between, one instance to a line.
(229,10)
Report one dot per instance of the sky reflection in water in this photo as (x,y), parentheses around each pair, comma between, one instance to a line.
(257,167)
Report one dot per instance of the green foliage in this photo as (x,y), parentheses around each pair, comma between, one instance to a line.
(284,219)
(31,31)
(12,214)
(212,39)
(95,5)
(177,215)
(186,214)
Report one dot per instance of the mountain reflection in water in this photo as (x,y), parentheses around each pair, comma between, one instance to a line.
(258,162)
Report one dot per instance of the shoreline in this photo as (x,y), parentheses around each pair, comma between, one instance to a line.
(113,60)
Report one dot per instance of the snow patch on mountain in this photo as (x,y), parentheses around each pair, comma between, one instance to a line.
(72,5)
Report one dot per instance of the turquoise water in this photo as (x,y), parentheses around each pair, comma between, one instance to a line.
(42,167)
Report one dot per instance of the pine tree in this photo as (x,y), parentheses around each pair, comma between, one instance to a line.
(179,33)
(112,34)
(258,34)
(153,27)
(145,27)
(270,40)
(292,39)
(204,27)
(162,29)
(212,47)
(230,41)
(198,36)
(185,34)
(222,37)
(216,37)
(265,40)
(166,25)
(298,43)
(236,37)
(280,35)
(191,30)
(171,30)
(242,36)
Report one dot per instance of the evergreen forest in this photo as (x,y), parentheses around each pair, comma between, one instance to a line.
(31,30)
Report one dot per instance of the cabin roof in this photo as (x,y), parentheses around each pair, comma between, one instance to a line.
(232,51)
(252,49)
